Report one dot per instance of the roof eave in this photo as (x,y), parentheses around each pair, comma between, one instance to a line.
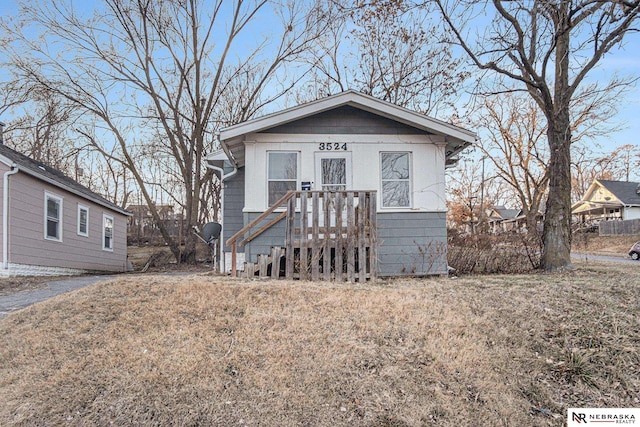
(71,190)
(457,139)
(352,98)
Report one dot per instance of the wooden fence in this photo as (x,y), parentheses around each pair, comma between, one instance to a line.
(615,228)
(330,235)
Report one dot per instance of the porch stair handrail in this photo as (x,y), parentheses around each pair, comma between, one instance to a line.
(233,240)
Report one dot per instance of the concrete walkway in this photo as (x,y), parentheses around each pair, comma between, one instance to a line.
(19,300)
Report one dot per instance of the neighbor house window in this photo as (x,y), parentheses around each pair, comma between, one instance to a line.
(83,220)
(107,232)
(52,217)
(282,174)
(396,179)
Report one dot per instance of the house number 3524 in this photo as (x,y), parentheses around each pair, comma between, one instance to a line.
(332,146)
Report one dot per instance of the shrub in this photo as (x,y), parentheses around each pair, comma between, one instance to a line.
(491,254)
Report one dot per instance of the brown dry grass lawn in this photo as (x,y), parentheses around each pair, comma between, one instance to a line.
(202,350)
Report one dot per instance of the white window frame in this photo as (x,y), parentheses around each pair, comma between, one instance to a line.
(409,180)
(297,153)
(59,200)
(82,207)
(105,217)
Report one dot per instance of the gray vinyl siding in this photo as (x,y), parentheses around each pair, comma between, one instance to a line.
(345,120)
(28,245)
(412,243)
(233,204)
(409,243)
(274,236)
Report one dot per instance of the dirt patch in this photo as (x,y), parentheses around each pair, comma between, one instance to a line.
(160,259)
(202,350)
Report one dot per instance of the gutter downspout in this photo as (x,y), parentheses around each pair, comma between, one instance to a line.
(223,177)
(5,216)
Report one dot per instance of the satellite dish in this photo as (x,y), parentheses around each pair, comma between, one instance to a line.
(211,232)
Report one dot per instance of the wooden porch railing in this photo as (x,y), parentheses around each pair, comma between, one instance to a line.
(330,235)
(233,240)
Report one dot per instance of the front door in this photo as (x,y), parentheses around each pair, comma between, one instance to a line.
(333,171)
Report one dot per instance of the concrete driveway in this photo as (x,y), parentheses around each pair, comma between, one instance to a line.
(19,300)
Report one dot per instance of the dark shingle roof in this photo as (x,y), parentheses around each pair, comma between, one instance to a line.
(55,177)
(626,192)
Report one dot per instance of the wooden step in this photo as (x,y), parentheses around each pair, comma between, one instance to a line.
(268,266)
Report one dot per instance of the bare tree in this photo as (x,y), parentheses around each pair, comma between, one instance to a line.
(42,132)
(389,50)
(625,164)
(471,191)
(12,93)
(151,77)
(548,47)
(588,166)
(516,131)
(515,128)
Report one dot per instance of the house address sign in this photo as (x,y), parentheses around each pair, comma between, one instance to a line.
(332,146)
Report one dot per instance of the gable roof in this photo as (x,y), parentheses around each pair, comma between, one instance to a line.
(54,177)
(505,213)
(457,138)
(626,192)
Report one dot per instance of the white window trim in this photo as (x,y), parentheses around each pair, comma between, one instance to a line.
(268,180)
(59,199)
(113,227)
(397,208)
(80,208)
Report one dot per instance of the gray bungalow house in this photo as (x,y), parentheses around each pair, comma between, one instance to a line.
(347,187)
(52,225)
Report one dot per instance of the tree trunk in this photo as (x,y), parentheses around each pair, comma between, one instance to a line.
(557,223)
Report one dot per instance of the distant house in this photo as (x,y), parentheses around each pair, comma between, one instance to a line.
(501,219)
(608,200)
(347,187)
(142,227)
(51,225)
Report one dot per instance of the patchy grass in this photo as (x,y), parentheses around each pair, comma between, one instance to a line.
(603,245)
(203,350)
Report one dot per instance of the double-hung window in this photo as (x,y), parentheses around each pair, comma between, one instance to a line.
(83,220)
(52,217)
(107,232)
(395,171)
(282,174)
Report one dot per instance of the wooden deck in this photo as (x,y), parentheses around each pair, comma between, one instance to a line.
(330,235)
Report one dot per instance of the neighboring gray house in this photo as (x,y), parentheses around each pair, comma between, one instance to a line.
(340,185)
(51,225)
(502,219)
